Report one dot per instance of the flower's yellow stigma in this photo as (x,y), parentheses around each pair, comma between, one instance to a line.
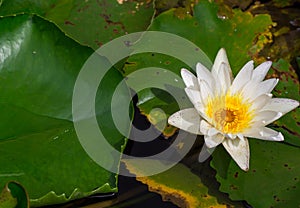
(229,114)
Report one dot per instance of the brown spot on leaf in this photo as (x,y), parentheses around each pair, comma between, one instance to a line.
(233,187)
(109,22)
(236,174)
(115,31)
(276,198)
(67,22)
(98,43)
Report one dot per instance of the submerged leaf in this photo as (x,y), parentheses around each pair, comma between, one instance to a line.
(179,185)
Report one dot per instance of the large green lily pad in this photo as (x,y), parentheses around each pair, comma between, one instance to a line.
(38,144)
(92,22)
(211,29)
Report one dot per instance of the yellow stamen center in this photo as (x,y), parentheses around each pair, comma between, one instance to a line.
(229,113)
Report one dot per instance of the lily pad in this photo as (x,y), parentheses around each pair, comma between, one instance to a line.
(209,30)
(178,185)
(273,178)
(92,22)
(38,144)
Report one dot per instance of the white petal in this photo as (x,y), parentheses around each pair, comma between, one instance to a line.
(187,119)
(221,57)
(253,89)
(242,78)
(213,132)
(205,91)
(213,141)
(189,79)
(218,90)
(208,129)
(224,77)
(267,117)
(239,151)
(196,99)
(282,105)
(200,108)
(204,127)
(267,86)
(240,136)
(231,136)
(249,91)
(261,71)
(204,74)
(265,133)
(260,102)
(194,95)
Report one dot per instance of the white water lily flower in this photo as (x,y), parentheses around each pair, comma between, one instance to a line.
(228,110)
